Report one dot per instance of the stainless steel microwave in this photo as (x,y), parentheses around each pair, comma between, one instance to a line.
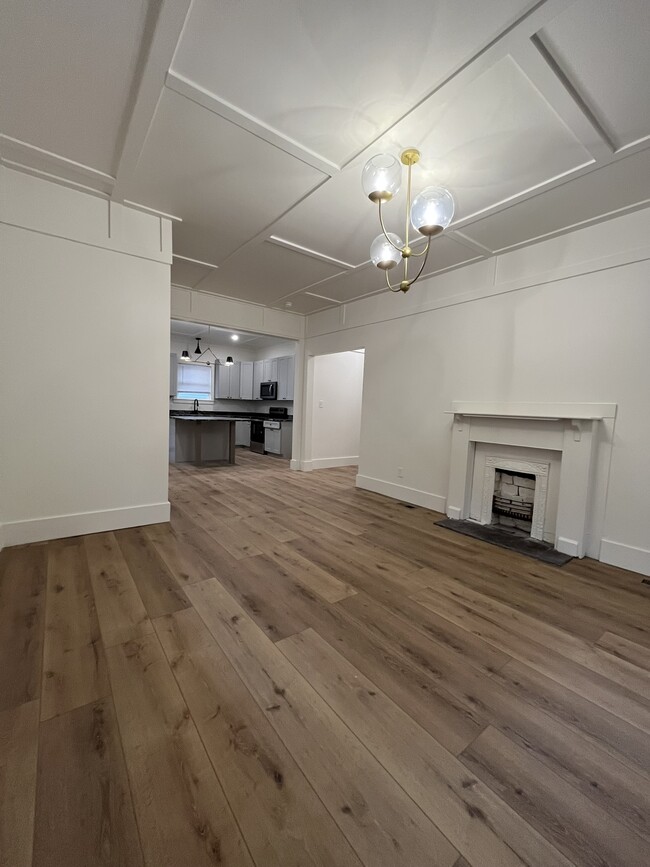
(269,390)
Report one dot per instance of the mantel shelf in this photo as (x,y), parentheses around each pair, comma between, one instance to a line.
(535,411)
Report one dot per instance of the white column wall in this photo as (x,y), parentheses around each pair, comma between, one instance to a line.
(84,362)
(564,320)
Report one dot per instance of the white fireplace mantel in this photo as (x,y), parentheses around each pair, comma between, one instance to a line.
(550,411)
(568,429)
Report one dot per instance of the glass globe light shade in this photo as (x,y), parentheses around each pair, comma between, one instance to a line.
(432,211)
(381,177)
(383,254)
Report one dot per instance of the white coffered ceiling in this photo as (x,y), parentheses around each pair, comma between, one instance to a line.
(250,122)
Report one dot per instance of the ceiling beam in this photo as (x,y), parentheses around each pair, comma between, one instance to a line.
(148,86)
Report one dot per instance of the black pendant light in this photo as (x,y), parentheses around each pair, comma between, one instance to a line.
(197,351)
(229,361)
(185,356)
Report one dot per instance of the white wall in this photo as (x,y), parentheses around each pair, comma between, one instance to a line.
(336,394)
(565,320)
(84,361)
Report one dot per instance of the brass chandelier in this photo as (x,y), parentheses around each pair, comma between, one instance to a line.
(430,213)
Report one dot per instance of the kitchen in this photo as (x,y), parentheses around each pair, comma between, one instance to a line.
(228,389)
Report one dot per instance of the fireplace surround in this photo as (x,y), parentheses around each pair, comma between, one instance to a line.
(574,441)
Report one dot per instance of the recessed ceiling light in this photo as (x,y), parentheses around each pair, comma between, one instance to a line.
(288,304)
(234,336)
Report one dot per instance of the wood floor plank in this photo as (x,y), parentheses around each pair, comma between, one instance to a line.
(84,814)
(182,559)
(74,662)
(202,543)
(454,722)
(18,752)
(473,819)
(626,650)
(590,685)
(566,749)
(158,588)
(254,585)
(620,739)
(283,821)
(521,624)
(182,814)
(326,585)
(584,832)
(120,611)
(22,606)
(380,821)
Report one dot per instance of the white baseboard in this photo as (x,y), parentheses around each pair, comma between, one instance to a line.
(454,512)
(625,556)
(401,492)
(568,546)
(2,537)
(294,465)
(329,463)
(82,523)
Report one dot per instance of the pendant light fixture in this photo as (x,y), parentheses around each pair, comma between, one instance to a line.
(229,362)
(185,356)
(430,213)
(197,351)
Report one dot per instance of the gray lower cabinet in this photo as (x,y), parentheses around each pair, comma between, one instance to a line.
(278,442)
(243,433)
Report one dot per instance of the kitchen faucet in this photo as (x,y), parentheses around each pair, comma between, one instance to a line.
(195,405)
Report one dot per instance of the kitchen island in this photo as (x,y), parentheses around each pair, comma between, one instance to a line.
(211,436)
(196,437)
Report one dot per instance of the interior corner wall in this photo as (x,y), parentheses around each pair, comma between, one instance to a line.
(565,320)
(84,362)
(336,410)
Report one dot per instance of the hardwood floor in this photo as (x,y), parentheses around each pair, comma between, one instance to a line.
(295,672)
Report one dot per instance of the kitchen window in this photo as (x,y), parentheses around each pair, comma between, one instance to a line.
(195,381)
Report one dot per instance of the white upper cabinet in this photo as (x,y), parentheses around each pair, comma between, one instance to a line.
(270,370)
(258,376)
(285,377)
(227,383)
(246,381)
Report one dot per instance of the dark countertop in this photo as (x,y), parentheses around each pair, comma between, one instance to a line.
(211,415)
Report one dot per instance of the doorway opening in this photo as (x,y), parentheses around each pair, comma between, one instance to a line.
(333,410)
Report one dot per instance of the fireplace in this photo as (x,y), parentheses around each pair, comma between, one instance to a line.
(512,501)
(559,454)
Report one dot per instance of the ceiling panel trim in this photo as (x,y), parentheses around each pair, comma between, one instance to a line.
(314,254)
(322,297)
(22,154)
(190,90)
(194,261)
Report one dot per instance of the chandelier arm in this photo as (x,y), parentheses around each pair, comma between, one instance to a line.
(424,262)
(207,349)
(388,283)
(383,228)
(422,252)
